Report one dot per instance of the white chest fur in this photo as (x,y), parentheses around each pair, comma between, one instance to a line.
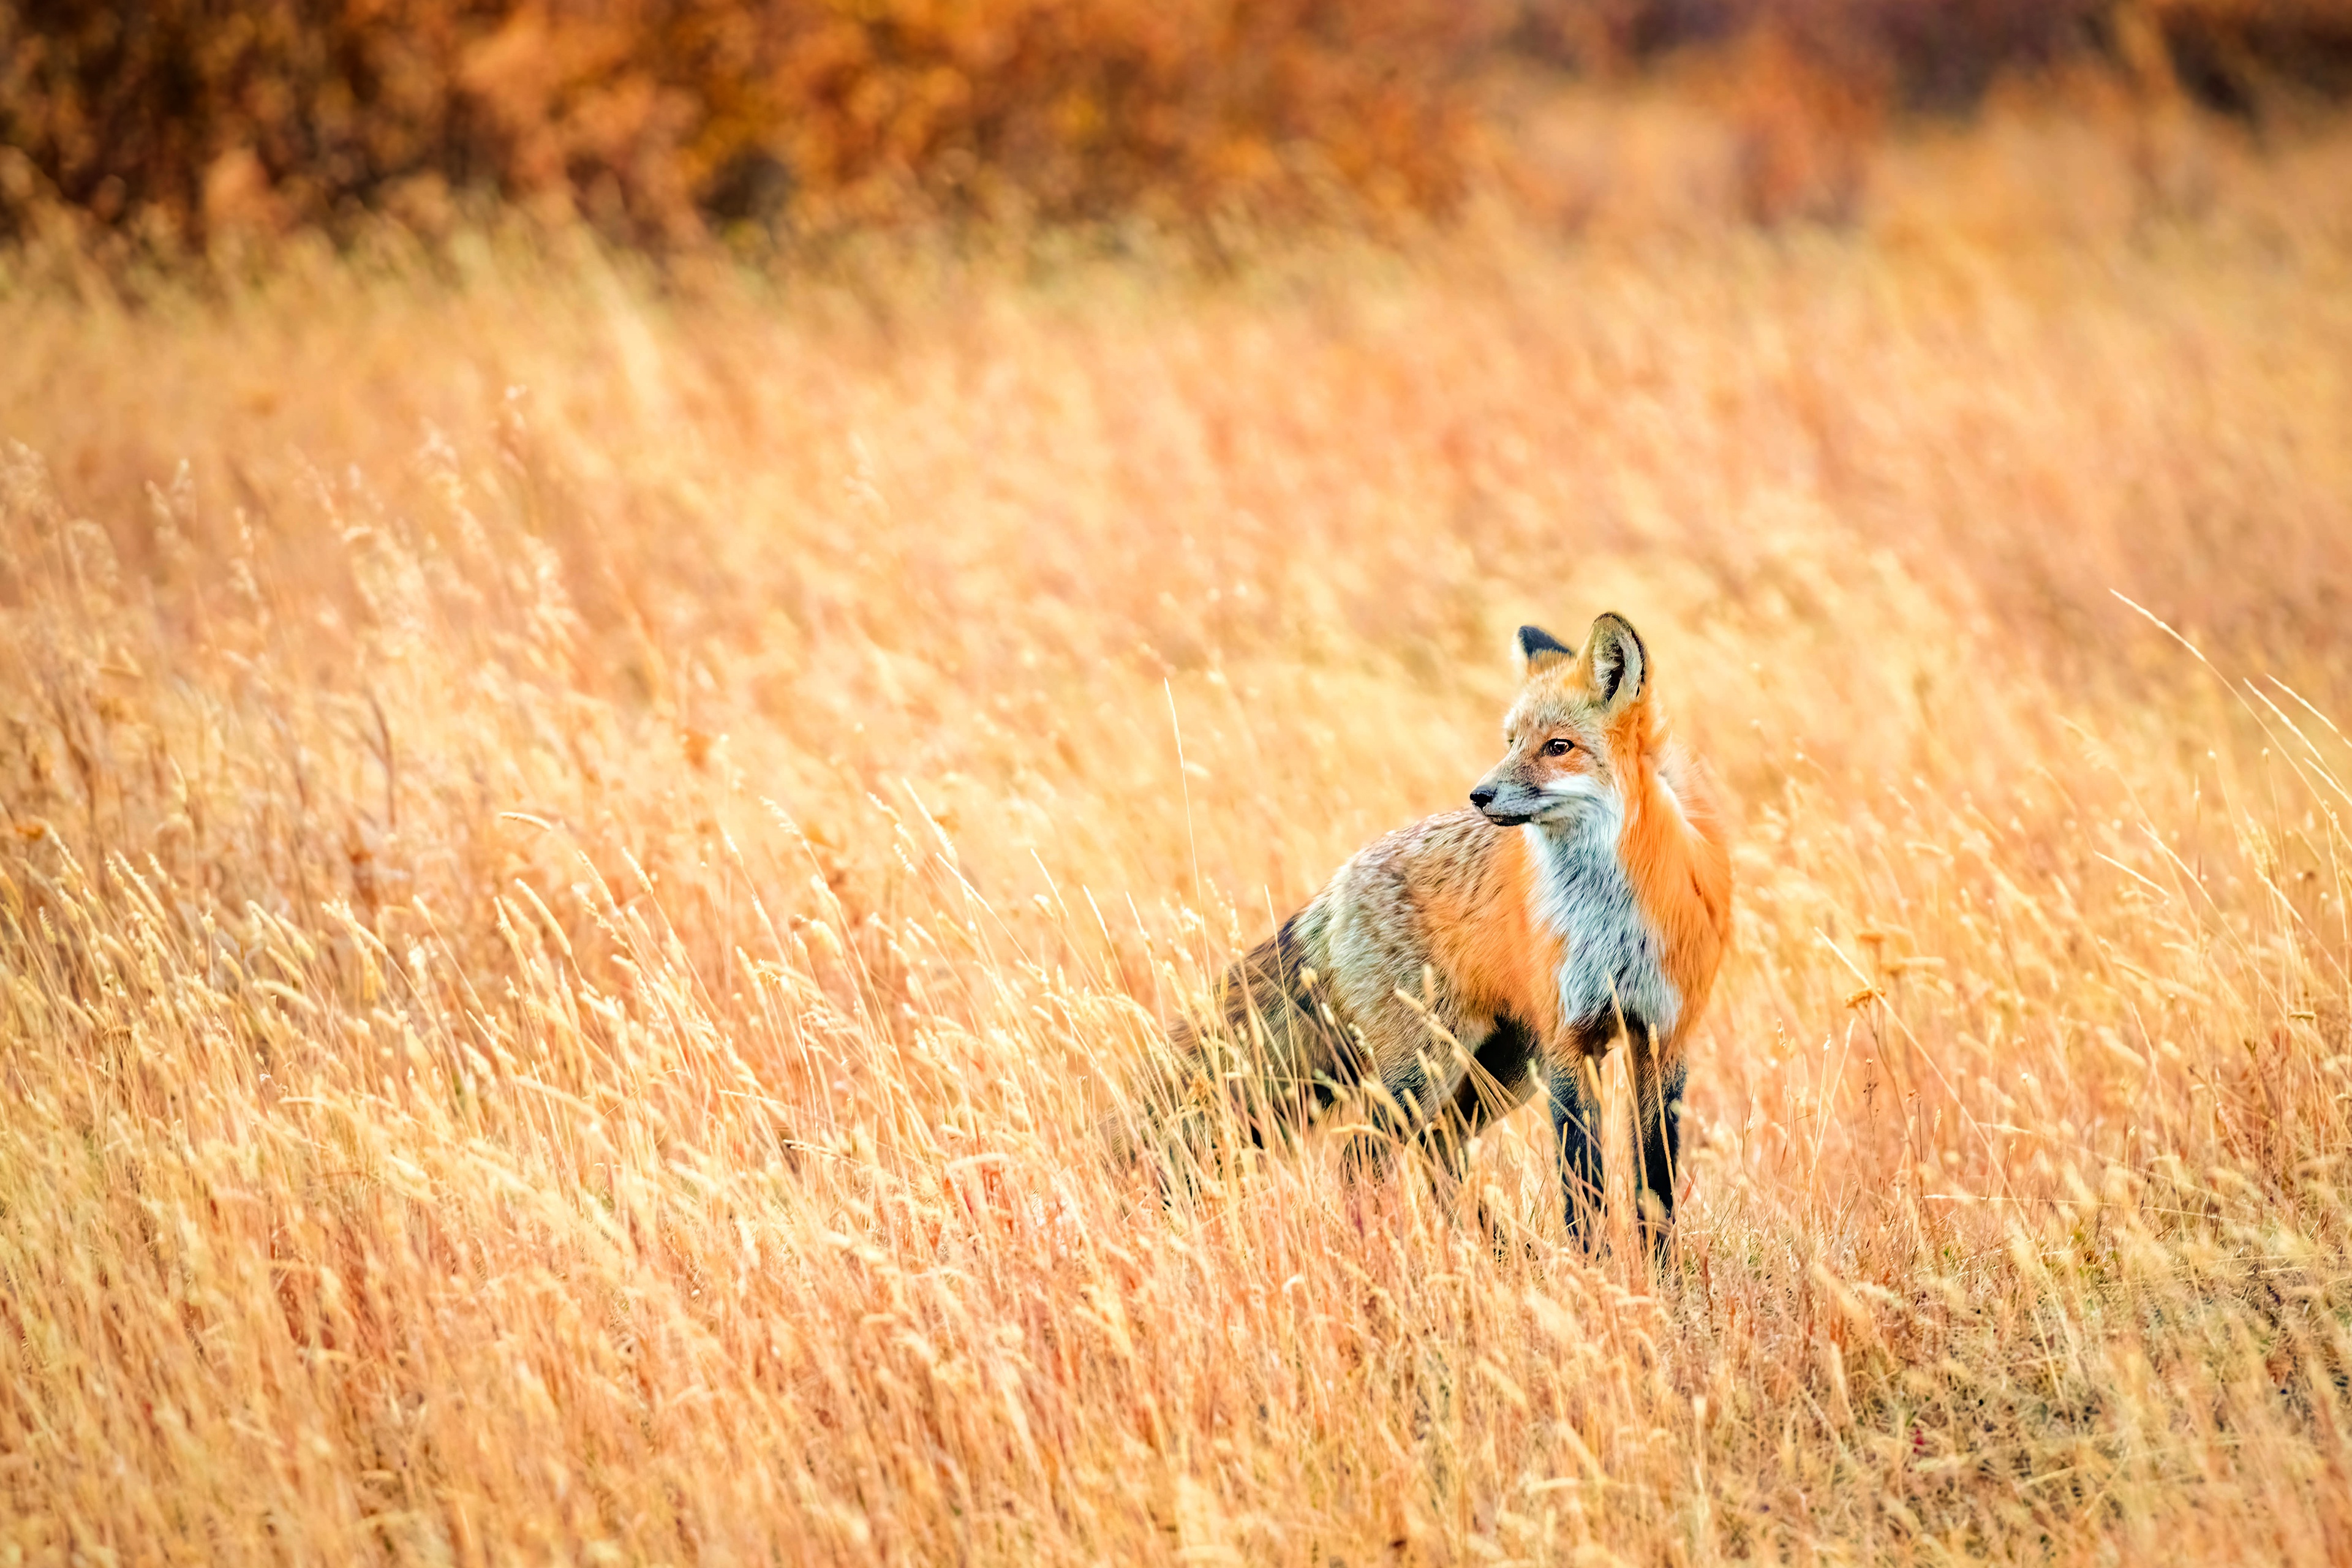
(1608,963)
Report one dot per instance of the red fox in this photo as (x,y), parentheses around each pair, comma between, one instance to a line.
(1584,897)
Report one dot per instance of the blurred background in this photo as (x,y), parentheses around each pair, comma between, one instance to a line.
(173,123)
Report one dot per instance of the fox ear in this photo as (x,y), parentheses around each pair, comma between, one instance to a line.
(1539,651)
(1615,662)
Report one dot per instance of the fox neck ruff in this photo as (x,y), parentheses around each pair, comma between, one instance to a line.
(1610,968)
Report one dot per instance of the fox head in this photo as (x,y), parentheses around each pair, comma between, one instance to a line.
(1581,723)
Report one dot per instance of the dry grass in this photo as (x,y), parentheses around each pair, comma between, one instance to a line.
(575,881)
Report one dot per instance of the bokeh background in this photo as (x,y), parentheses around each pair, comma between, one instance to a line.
(175,121)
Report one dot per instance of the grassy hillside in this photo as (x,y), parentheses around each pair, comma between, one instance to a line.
(579,861)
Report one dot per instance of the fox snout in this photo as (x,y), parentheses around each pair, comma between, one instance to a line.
(1505,803)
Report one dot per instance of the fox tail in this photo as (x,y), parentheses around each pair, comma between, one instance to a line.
(1262,1060)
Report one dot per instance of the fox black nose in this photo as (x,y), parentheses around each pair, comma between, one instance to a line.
(1483,796)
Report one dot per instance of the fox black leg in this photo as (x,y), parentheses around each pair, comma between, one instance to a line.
(1496,1081)
(1576,1129)
(1661,1145)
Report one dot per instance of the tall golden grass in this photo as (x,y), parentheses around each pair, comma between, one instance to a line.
(584,856)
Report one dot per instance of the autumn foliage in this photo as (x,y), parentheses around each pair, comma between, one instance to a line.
(664,119)
(657,116)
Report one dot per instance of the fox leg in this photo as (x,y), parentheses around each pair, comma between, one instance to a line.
(1576,1129)
(1417,1112)
(1659,1123)
(1438,1069)
(1493,1081)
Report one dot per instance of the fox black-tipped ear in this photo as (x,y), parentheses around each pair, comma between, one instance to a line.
(1615,662)
(1538,648)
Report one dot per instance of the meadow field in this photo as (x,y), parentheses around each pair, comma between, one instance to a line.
(587,846)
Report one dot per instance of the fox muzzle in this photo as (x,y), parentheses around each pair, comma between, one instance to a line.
(1508,803)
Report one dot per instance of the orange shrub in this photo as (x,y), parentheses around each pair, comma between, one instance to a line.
(651,113)
(177,118)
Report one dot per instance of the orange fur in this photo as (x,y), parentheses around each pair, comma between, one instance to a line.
(1676,853)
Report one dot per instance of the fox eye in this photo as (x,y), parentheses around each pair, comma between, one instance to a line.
(1557,747)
